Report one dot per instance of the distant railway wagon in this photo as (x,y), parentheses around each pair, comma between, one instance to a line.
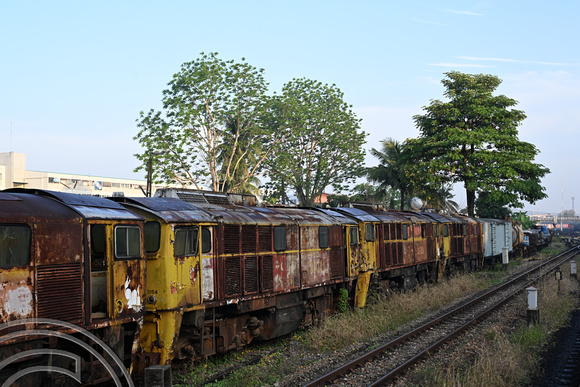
(188,274)
(498,234)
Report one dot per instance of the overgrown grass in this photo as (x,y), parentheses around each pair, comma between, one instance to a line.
(387,314)
(504,356)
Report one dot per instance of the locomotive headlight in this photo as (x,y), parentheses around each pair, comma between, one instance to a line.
(152,299)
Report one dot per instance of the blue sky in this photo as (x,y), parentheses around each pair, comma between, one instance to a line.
(75,75)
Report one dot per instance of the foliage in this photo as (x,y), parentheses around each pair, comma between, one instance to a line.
(322,140)
(486,207)
(569,213)
(473,139)
(524,219)
(391,171)
(365,193)
(210,130)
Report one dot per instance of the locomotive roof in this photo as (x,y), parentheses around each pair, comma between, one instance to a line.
(357,213)
(20,207)
(337,216)
(170,210)
(89,207)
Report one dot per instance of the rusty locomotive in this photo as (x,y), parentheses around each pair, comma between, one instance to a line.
(221,271)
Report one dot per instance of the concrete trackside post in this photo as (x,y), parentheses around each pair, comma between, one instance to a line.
(533,311)
(158,376)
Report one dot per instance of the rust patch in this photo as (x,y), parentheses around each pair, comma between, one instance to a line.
(193,271)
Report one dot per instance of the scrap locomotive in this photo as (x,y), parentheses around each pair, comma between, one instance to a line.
(221,271)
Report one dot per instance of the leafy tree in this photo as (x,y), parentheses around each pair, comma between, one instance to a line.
(322,140)
(569,213)
(473,138)
(488,207)
(210,130)
(524,219)
(438,197)
(391,171)
(364,193)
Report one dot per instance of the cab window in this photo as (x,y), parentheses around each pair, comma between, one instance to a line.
(152,232)
(445,230)
(279,238)
(127,242)
(369,232)
(323,237)
(353,236)
(205,240)
(186,241)
(436,230)
(405,232)
(14,245)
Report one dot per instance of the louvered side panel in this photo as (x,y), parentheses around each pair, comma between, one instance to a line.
(249,242)
(250,275)
(231,239)
(267,273)
(233,280)
(59,292)
(336,264)
(265,238)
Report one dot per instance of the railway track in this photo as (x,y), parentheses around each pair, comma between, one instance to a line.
(391,360)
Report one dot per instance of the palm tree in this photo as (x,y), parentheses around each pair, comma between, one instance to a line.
(440,199)
(391,169)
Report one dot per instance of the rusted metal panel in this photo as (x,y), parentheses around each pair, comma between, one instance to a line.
(16,294)
(170,210)
(286,272)
(315,267)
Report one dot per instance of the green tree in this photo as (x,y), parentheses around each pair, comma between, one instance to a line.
(524,219)
(473,139)
(190,141)
(391,171)
(487,206)
(322,140)
(438,198)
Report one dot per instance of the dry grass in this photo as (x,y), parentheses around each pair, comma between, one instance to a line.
(505,356)
(388,314)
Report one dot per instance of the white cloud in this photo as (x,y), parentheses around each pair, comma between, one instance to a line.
(515,61)
(458,65)
(464,12)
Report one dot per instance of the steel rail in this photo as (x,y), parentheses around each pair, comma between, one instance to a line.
(415,332)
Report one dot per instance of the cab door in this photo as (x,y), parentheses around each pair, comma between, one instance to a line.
(127,269)
(352,250)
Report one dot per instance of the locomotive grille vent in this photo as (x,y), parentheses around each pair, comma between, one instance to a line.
(191,197)
(233,281)
(267,273)
(59,292)
(231,239)
(336,264)
(265,238)
(221,200)
(251,274)
(249,239)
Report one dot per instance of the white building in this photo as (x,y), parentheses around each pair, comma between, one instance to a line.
(13,174)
